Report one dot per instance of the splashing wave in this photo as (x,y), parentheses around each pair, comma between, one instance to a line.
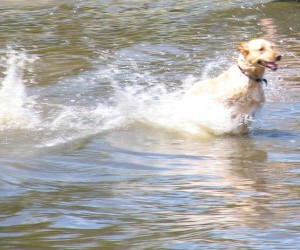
(133,97)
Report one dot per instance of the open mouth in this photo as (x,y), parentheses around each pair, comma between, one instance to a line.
(270,65)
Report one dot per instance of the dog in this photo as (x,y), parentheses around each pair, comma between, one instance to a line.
(240,88)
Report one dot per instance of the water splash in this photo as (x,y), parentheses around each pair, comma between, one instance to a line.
(176,110)
(157,105)
(75,123)
(136,96)
(15,108)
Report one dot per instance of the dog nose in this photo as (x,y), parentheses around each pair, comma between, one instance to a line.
(278,58)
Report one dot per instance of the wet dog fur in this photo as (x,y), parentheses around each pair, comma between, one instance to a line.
(240,88)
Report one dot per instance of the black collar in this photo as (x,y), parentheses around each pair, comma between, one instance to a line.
(256,79)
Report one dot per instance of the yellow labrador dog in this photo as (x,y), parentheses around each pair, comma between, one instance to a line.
(240,88)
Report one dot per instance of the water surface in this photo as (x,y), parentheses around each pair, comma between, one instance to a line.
(97,151)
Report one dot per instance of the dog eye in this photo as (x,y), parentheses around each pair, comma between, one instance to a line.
(262,49)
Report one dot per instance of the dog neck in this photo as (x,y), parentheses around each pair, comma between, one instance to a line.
(255,73)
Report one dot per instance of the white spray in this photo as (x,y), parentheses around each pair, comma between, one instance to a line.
(13,99)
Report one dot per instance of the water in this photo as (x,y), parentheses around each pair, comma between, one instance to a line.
(101,149)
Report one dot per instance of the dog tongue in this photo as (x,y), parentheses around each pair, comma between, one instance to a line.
(271,65)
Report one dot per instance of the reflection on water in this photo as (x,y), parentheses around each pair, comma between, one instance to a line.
(97,152)
(224,191)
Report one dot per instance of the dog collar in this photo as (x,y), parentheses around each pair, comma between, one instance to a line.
(261,80)
(256,79)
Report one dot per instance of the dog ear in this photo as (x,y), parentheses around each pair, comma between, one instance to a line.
(243,49)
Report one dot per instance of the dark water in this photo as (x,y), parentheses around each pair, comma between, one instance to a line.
(95,153)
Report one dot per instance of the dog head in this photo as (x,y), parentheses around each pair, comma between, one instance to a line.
(260,53)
